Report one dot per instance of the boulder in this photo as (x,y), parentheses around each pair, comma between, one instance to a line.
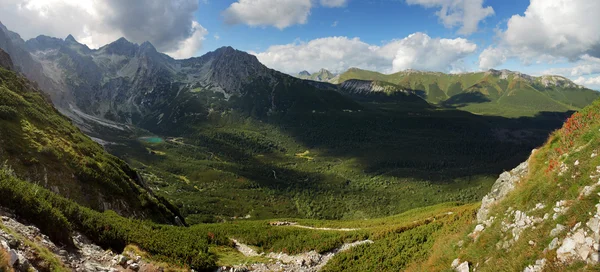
(503,185)
(463,267)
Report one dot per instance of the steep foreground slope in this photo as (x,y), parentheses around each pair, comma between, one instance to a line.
(542,216)
(39,144)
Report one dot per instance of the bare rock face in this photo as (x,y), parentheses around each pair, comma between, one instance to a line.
(501,188)
(5,61)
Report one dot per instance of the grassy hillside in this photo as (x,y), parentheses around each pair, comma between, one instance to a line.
(502,93)
(561,189)
(41,145)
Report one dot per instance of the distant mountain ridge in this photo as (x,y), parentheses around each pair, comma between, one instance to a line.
(127,83)
(494,92)
(322,75)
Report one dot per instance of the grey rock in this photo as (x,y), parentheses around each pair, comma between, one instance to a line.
(463,267)
(553,244)
(501,188)
(557,230)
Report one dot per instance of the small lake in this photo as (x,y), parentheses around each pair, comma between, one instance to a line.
(152,140)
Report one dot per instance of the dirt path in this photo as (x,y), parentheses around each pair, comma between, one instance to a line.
(294,224)
(306,262)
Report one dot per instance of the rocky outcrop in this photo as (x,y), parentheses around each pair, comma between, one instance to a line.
(501,188)
(24,244)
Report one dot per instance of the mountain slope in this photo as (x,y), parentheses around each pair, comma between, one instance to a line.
(504,93)
(544,215)
(41,145)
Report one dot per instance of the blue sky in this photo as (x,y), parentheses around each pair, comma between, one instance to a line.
(373,21)
(532,36)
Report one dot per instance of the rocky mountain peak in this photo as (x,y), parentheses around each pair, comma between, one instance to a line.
(121,47)
(304,73)
(147,47)
(44,43)
(70,38)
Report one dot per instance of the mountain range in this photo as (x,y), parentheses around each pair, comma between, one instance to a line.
(503,93)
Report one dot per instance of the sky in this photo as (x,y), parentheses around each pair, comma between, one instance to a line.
(536,37)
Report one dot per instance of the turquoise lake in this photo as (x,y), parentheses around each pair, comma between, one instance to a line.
(152,140)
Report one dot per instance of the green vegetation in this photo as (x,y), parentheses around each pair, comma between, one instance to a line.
(380,161)
(403,246)
(40,144)
(488,93)
(557,171)
(204,246)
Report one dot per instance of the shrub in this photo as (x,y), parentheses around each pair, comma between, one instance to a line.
(8,113)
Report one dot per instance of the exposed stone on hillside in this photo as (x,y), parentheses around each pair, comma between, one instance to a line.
(305,262)
(85,258)
(501,188)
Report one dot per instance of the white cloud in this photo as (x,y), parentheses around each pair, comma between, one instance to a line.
(278,13)
(550,30)
(589,82)
(190,46)
(421,52)
(587,65)
(169,25)
(417,51)
(333,3)
(464,13)
(491,57)
(334,24)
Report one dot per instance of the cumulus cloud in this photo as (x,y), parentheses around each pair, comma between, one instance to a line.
(464,13)
(333,3)
(590,82)
(169,25)
(417,51)
(421,52)
(587,65)
(492,57)
(549,30)
(277,13)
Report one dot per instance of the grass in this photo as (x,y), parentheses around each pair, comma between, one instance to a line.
(4,261)
(575,142)
(228,256)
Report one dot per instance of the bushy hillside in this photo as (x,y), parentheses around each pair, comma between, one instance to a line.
(503,93)
(42,146)
(545,214)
